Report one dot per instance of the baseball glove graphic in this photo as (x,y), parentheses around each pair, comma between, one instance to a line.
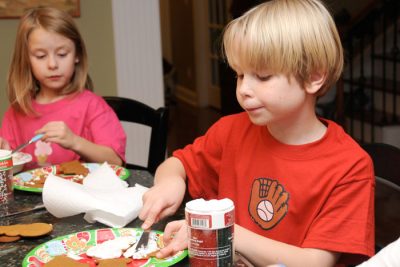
(268,202)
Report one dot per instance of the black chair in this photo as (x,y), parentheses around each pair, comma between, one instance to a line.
(130,110)
(386,159)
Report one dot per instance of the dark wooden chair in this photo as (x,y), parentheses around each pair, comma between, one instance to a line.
(130,110)
(386,159)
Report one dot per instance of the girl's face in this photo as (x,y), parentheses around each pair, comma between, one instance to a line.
(270,98)
(52,58)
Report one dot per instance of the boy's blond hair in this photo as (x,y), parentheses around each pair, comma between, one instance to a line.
(294,37)
(21,84)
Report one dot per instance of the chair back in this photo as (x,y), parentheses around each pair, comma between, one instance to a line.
(131,110)
(386,159)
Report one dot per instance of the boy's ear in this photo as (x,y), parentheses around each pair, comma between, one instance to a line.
(317,79)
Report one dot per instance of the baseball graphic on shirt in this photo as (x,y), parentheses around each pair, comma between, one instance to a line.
(268,202)
(265,210)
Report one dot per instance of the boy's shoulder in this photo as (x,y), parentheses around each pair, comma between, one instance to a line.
(341,142)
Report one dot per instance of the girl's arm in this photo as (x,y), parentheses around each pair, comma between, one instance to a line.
(262,251)
(92,152)
(167,194)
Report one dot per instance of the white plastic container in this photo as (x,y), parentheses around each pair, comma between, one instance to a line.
(211,232)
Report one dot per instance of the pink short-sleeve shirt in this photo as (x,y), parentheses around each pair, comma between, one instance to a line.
(86,114)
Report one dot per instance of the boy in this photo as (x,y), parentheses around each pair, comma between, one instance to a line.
(318,181)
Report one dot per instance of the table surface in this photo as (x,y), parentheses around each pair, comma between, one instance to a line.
(12,254)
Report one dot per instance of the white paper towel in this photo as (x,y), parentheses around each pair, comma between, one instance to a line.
(103,197)
(104,178)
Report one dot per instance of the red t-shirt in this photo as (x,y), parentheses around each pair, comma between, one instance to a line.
(317,195)
(86,114)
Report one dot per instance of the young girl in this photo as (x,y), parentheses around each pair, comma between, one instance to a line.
(49,93)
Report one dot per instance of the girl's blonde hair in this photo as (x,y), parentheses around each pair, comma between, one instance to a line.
(22,85)
(294,37)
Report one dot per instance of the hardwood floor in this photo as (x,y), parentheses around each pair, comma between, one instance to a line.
(187,122)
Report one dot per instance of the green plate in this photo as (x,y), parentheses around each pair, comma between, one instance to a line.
(78,243)
(21,178)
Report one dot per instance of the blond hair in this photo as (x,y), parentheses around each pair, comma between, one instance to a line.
(21,84)
(294,37)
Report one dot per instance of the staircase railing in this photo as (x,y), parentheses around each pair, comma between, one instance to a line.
(369,90)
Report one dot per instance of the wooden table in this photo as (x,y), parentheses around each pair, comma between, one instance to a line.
(12,254)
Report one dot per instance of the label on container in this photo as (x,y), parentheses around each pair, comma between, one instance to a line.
(6,176)
(200,221)
(6,164)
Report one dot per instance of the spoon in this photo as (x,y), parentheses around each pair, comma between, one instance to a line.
(34,139)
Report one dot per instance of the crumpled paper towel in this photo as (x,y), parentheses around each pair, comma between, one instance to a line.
(103,197)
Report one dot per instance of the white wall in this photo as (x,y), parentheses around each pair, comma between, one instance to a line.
(137,39)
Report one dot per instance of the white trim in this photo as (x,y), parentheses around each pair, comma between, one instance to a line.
(137,42)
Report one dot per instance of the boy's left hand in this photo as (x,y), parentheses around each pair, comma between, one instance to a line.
(175,238)
(58,132)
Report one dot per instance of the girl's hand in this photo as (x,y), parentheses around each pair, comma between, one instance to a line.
(4,144)
(175,238)
(58,132)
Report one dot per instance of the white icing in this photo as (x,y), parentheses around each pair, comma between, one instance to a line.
(141,252)
(111,249)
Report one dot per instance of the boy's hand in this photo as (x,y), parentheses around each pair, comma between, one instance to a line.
(4,144)
(58,132)
(167,194)
(175,238)
(160,201)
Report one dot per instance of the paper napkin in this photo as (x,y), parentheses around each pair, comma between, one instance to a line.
(103,197)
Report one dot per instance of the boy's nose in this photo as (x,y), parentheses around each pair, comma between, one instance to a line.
(244,86)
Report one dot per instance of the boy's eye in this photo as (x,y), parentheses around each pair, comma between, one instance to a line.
(263,78)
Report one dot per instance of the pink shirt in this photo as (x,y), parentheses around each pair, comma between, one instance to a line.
(86,114)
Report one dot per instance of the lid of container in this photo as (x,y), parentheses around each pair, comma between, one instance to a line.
(206,206)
